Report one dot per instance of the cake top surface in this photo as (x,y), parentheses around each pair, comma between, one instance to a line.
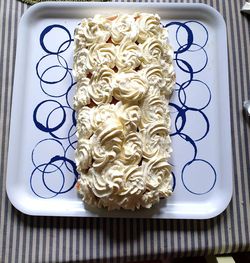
(124,70)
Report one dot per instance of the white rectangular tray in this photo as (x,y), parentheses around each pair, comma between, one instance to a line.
(41,169)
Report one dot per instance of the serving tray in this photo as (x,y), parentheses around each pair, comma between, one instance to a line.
(41,173)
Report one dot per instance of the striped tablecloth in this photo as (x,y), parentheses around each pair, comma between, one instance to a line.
(43,239)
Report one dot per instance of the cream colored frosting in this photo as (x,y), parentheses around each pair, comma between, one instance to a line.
(82,96)
(129,87)
(100,55)
(100,88)
(124,27)
(129,56)
(123,65)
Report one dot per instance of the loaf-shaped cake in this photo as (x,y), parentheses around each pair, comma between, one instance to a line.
(123,65)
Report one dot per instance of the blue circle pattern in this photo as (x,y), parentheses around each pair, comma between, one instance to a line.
(181,107)
(69,142)
(58,102)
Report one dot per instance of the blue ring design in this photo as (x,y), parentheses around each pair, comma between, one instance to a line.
(43,128)
(189,70)
(54,66)
(52,132)
(188,188)
(38,168)
(64,159)
(182,91)
(197,71)
(190,36)
(182,115)
(60,94)
(174,181)
(59,51)
(46,31)
(51,162)
(182,88)
(33,152)
(196,22)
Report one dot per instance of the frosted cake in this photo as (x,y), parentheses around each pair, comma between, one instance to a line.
(123,65)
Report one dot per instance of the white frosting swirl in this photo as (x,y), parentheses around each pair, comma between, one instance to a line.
(168,54)
(103,54)
(100,186)
(107,142)
(149,26)
(91,31)
(85,190)
(128,56)
(101,114)
(159,176)
(134,181)
(170,78)
(81,97)
(79,65)
(153,50)
(83,155)
(100,88)
(129,87)
(124,27)
(84,127)
(156,140)
(100,156)
(154,108)
(130,116)
(109,181)
(159,81)
(132,149)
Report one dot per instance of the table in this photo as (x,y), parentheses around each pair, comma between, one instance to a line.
(43,239)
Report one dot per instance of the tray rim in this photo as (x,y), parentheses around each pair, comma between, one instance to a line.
(16,91)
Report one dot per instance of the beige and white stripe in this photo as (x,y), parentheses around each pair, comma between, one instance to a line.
(38,239)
